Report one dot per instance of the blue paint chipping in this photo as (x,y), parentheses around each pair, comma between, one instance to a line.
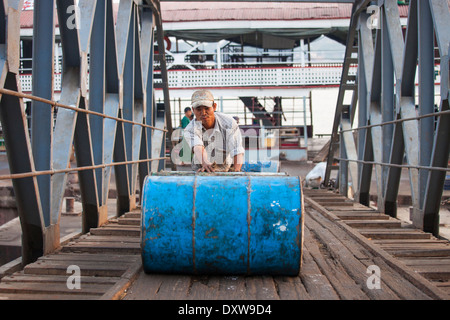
(241,225)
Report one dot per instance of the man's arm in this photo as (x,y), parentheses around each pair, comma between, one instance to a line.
(238,162)
(235,147)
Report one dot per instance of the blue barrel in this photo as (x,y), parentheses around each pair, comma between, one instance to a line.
(261,166)
(222,224)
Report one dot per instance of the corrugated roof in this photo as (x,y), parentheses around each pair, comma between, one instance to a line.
(229,11)
(234,11)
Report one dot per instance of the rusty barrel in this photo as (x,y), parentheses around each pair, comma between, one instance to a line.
(230,224)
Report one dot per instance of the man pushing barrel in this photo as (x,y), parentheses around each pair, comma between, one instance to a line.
(214,137)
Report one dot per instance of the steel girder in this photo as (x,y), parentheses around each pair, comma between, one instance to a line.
(120,77)
(387,67)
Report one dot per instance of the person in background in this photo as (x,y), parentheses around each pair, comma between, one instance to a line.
(188,116)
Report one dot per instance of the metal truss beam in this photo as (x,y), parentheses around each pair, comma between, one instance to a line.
(120,77)
(393,124)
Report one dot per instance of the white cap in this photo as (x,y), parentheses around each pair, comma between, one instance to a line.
(202,98)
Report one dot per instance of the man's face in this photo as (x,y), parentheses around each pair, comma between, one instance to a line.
(206,115)
(188,114)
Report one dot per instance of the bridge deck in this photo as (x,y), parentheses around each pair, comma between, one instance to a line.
(341,240)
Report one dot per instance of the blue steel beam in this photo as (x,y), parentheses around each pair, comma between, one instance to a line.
(147,46)
(407,108)
(138,106)
(120,74)
(387,91)
(441,144)
(41,113)
(17,141)
(393,52)
(66,119)
(123,149)
(387,96)
(426,91)
(112,102)
(97,89)
(84,149)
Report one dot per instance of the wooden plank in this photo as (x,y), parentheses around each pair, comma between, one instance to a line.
(391,278)
(420,282)
(291,288)
(357,251)
(407,241)
(232,288)
(146,287)
(436,252)
(373,224)
(437,273)
(133,215)
(102,247)
(62,256)
(90,270)
(321,196)
(362,216)
(160,287)
(443,284)
(24,278)
(357,212)
(124,239)
(347,208)
(343,284)
(129,221)
(325,200)
(414,246)
(316,284)
(330,237)
(53,288)
(174,287)
(339,204)
(426,261)
(394,234)
(261,288)
(118,290)
(117,231)
(43,297)
(203,288)
(444,289)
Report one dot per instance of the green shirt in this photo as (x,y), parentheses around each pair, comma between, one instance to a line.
(184,122)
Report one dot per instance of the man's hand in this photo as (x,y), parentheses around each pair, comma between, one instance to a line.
(202,157)
(207,167)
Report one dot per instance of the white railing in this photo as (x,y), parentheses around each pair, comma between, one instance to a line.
(261,77)
(245,77)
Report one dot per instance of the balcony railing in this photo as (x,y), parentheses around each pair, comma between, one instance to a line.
(249,77)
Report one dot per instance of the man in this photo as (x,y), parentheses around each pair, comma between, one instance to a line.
(187,118)
(214,137)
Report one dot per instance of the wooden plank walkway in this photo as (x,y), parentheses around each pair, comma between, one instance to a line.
(336,258)
(339,246)
(419,251)
(108,259)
